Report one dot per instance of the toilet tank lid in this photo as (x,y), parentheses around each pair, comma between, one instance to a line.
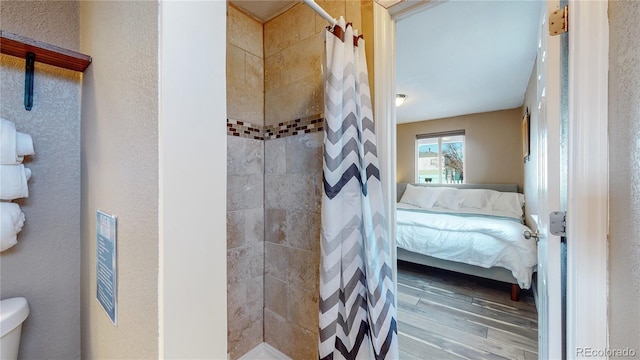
(12,313)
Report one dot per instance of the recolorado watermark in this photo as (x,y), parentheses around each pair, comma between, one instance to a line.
(587,352)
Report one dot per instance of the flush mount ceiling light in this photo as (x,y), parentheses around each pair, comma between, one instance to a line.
(400,99)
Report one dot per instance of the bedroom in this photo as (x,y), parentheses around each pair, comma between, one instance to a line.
(474,96)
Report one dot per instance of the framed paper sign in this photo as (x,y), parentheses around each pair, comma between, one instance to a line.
(106,273)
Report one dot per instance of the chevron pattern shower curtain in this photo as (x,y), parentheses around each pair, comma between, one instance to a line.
(357,301)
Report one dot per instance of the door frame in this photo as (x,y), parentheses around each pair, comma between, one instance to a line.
(588,177)
(588,169)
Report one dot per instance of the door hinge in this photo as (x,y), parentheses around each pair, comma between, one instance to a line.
(559,21)
(558,223)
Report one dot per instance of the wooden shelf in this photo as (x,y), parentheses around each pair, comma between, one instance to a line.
(16,45)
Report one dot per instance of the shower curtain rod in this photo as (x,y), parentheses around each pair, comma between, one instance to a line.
(322,12)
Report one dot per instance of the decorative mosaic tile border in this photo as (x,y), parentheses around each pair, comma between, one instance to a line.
(294,127)
(244,129)
(269,132)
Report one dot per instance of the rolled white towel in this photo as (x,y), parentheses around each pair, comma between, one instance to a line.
(13,182)
(11,222)
(24,144)
(14,145)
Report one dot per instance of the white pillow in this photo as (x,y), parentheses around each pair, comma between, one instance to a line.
(429,197)
(420,196)
(509,202)
(477,198)
(447,198)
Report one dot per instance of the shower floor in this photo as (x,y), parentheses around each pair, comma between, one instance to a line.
(264,351)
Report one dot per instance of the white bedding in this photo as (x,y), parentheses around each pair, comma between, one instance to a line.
(481,240)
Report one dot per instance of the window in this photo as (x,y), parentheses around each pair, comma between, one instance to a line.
(440,158)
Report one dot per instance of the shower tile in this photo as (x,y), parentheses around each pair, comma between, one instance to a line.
(236,152)
(253,157)
(244,32)
(303,272)
(303,230)
(235,229)
(235,192)
(254,299)
(277,189)
(235,81)
(276,220)
(276,261)
(274,71)
(305,343)
(289,28)
(253,96)
(251,106)
(354,14)
(335,8)
(306,125)
(275,295)
(296,100)
(244,334)
(304,153)
(275,160)
(237,265)
(293,191)
(244,129)
(235,67)
(254,75)
(255,260)
(303,60)
(254,226)
(244,192)
(236,302)
(279,334)
(291,339)
(303,308)
(245,86)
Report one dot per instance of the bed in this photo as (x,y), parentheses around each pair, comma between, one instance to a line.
(471,229)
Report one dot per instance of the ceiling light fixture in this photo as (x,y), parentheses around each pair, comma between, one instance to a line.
(400,98)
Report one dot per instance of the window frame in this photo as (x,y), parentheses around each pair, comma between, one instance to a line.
(439,136)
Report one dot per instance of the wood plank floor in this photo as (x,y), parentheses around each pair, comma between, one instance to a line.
(446,315)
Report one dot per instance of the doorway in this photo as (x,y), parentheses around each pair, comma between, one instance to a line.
(587,197)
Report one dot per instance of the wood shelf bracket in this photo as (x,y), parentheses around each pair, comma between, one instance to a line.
(32,50)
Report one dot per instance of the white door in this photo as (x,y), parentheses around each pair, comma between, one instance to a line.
(548,140)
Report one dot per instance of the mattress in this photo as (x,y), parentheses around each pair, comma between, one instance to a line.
(471,238)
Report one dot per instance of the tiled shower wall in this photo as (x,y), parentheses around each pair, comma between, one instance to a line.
(245,185)
(293,179)
(289,129)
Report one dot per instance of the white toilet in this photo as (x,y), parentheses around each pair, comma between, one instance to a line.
(12,313)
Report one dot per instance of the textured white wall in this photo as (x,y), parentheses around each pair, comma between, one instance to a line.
(624,177)
(120,172)
(44,266)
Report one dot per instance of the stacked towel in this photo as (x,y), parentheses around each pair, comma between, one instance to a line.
(13,182)
(11,221)
(14,145)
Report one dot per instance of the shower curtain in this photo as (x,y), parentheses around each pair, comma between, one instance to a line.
(357,300)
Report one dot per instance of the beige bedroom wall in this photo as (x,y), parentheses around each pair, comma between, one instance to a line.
(493,146)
